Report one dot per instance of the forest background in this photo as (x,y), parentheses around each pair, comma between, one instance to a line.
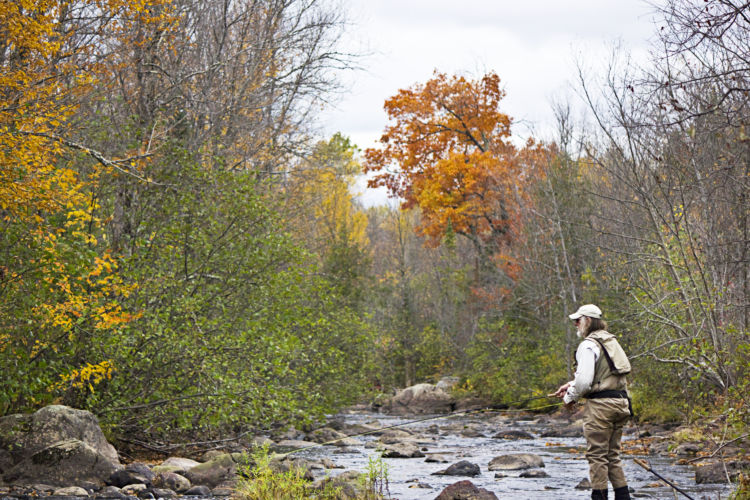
(183,256)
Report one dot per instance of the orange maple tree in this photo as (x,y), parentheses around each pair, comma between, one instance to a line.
(451,146)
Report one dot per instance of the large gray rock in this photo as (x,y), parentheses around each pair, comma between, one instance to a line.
(54,435)
(420,399)
(63,463)
(465,490)
(516,461)
(27,434)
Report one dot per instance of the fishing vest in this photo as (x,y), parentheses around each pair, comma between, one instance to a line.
(612,365)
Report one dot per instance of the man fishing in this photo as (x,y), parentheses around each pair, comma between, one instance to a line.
(600,378)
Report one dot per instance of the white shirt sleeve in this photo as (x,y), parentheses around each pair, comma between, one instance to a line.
(586,355)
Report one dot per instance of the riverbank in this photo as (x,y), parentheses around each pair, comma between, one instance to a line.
(505,451)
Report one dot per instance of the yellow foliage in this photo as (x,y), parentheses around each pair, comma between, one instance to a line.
(87,376)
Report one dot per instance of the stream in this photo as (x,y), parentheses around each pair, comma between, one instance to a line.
(564,461)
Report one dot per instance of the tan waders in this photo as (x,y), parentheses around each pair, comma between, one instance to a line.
(602,428)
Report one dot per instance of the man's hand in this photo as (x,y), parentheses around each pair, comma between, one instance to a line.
(560,393)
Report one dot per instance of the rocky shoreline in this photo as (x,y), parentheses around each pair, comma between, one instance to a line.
(62,452)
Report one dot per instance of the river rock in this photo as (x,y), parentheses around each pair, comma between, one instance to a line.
(198,491)
(512,434)
(325,435)
(287,445)
(163,493)
(135,489)
(134,473)
(62,464)
(23,436)
(110,492)
(171,481)
(181,464)
(533,474)
(516,461)
(687,449)
(465,490)
(213,472)
(420,399)
(462,468)
(348,483)
(714,472)
(71,491)
(401,450)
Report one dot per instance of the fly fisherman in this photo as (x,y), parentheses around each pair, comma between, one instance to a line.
(600,378)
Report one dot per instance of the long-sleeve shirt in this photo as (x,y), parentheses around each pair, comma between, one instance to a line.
(587,354)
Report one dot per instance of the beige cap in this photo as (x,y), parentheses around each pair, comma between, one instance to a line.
(589,310)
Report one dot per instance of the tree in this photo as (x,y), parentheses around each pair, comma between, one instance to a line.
(451,145)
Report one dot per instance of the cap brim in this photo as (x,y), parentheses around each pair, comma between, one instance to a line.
(575,315)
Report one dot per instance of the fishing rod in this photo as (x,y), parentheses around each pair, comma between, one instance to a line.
(498,407)
(646,466)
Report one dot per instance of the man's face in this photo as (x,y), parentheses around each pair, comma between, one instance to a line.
(581,324)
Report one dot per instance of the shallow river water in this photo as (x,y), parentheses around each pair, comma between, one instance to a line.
(563,459)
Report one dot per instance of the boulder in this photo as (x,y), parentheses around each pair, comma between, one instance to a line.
(465,490)
(213,472)
(462,468)
(516,461)
(420,399)
(23,436)
(715,473)
(62,464)
(401,450)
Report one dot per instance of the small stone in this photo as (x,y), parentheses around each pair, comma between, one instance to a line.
(71,491)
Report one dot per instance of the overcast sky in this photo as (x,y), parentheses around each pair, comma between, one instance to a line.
(531,45)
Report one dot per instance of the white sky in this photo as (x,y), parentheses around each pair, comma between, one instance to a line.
(533,46)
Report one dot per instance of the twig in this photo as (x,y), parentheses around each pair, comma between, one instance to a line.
(718,449)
